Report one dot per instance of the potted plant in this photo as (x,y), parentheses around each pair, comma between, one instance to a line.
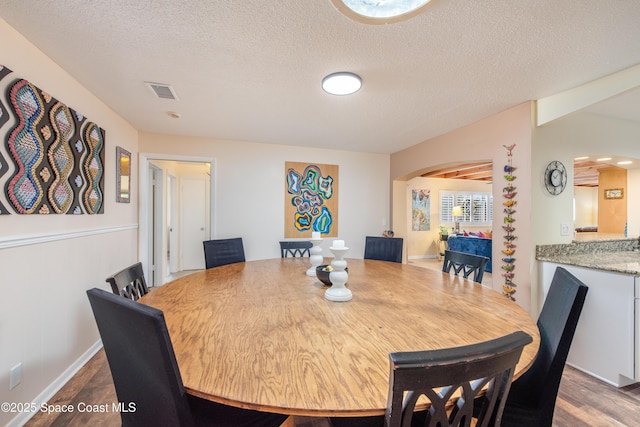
(444,233)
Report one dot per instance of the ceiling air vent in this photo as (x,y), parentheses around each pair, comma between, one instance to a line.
(162,90)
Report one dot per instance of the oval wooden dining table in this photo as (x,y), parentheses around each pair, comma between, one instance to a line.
(261,335)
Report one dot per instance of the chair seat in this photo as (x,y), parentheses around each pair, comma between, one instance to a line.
(517,414)
(207,413)
(358,421)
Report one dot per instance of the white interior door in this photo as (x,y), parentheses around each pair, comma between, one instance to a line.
(155,221)
(172,216)
(193,222)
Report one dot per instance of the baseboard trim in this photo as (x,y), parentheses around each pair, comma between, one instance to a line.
(422,257)
(56,385)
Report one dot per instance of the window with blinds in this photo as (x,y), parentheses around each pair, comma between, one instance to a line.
(477,208)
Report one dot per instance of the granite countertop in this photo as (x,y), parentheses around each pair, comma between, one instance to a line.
(619,256)
(620,262)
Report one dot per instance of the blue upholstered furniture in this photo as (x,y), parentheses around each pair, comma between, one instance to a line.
(472,245)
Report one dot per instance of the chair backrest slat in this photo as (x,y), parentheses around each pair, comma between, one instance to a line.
(438,374)
(464,263)
(295,248)
(129,283)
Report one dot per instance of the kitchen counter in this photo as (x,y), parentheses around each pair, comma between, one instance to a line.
(604,344)
(620,256)
(620,262)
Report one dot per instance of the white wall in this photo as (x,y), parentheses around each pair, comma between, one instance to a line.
(633,207)
(250,189)
(49,261)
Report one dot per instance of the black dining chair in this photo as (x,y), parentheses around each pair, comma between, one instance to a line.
(464,263)
(146,375)
(295,248)
(438,375)
(532,399)
(223,251)
(383,248)
(129,283)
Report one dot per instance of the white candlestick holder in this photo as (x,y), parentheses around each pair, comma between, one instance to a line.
(338,276)
(315,256)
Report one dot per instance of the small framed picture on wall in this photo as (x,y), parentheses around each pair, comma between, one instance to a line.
(614,193)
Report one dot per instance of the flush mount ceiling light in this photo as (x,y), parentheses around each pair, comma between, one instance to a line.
(342,83)
(380,11)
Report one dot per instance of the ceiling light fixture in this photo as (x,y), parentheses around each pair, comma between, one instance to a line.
(342,83)
(380,11)
(603,159)
(625,162)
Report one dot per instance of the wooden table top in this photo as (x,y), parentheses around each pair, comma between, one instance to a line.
(261,335)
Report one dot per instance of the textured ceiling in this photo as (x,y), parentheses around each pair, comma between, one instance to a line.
(251,70)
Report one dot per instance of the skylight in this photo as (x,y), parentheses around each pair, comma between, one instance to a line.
(380,11)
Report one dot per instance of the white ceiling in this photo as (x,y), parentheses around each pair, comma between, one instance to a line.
(251,69)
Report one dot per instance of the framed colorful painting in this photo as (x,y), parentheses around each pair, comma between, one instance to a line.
(311,199)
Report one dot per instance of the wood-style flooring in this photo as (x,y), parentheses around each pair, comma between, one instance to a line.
(582,401)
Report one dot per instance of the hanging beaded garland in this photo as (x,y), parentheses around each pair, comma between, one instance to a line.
(509,193)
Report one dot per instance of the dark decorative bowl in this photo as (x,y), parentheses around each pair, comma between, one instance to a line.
(323,274)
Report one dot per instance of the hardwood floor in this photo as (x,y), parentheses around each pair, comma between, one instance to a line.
(582,401)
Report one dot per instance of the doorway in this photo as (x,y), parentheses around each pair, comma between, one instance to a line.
(159,216)
(467,185)
(193,226)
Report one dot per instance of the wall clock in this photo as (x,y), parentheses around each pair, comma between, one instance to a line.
(555,177)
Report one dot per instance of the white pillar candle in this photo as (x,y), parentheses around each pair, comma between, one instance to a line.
(338,244)
(315,235)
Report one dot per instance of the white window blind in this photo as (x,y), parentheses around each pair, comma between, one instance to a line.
(447,202)
(477,207)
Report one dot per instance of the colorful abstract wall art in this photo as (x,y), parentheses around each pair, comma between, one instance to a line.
(311,199)
(420,210)
(51,156)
